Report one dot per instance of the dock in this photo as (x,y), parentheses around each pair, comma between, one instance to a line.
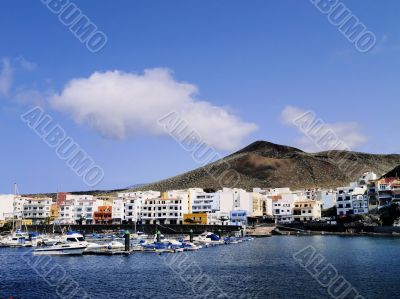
(108,252)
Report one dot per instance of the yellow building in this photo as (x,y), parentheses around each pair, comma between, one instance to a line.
(257,205)
(54,212)
(26,222)
(195,218)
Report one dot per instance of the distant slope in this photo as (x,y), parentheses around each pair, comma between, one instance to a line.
(265,164)
(394,173)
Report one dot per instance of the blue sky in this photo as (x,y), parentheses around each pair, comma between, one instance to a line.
(255,63)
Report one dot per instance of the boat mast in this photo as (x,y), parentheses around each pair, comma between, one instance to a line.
(13,213)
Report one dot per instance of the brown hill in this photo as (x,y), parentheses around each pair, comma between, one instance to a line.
(394,173)
(268,165)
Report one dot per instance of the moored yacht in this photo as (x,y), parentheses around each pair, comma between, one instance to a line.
(70,244)
(17,239)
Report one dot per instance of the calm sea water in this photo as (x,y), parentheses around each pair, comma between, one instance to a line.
(263,268)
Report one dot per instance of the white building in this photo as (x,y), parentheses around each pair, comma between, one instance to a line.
(6,206)
(328,198)
(366,178)
(85,208)
(202,202)
(133,203)
(37,209)
(66,213)
(282,207)
(78,208)
(218,218)
(118,210)
(307,210)
(19,207)
(234,199)
(168,209)
(352,200)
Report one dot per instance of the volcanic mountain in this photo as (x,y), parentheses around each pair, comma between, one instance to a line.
(268,165)
(394,173)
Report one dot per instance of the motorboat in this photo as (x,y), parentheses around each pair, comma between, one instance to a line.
(187,246)
(17,239)
(208,239)
(72,243)
(106,247)
(60,249)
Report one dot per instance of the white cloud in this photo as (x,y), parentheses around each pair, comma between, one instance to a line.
(317,135)
(6,76)
(25,64)
(119,105)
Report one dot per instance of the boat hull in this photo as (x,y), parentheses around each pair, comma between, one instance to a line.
(60,251)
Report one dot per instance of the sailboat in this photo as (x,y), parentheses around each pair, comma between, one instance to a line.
(17,237)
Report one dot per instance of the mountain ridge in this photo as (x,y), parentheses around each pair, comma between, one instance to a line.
(269,165)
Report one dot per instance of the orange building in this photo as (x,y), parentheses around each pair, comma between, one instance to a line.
(103,215)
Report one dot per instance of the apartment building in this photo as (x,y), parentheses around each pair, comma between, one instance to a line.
(133,203)
(282,207)
(37,210)
(78,208)
(66,215)
(84,208)
(235,199)
(202,202)
(118,210)
(307,210)
(352,200)
(103,215)
(387,191)
(165,210)
(218,218)
(54,212)
(258,200)
(239,217)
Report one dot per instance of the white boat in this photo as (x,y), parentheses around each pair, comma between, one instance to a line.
(60,249)
(70,244)
(17,239)
(115,245)
(208,239)
(48,241)
(108,247)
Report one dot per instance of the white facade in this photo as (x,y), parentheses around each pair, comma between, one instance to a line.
(118,210)
(6,206)
(215,218)
(19,207)
(84,210)
(366,178)
(133,203)
(235,199)
(66,213)
(77,208)
(202,202)
(307,210)
(352,200)
(166,210)
(328,198)
(282,207)
(133,209)
(37,209)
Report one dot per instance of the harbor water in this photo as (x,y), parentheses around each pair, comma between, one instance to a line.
(262,268)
